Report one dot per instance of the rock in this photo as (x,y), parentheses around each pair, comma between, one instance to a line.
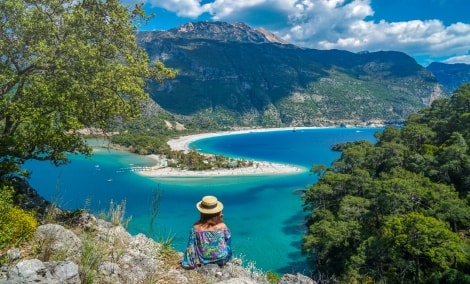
(36,271)
(109,268)
(85,220)
(231,273)
(145,245)
(176,276)
(29,270)
(215,271)
(64,271)
(58,240)
(111,272)
(112,234)
(296,279)
(140,255)
(238,281)
(13,254)
(141,265)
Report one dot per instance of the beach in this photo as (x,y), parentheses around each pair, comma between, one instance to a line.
(258,168)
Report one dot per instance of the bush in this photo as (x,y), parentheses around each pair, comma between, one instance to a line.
(272,277)
(16,224)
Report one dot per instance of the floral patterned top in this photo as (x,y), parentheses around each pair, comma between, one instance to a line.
(207,247)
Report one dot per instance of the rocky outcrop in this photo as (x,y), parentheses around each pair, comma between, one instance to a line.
(57,239)
(36,271)
(95,251)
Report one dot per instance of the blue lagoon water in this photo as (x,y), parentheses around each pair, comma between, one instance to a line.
(264,213)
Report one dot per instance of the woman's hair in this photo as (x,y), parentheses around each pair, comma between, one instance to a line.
(209,220)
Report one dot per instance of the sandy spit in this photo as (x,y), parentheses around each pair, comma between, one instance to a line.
(259,167)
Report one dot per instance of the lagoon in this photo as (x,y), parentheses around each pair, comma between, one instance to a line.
(264,213)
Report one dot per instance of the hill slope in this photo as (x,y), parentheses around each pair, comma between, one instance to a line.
(237,75)
(450,76)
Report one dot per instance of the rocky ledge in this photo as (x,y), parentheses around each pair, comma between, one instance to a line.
(91,250)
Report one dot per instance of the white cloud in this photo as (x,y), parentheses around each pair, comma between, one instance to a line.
(458,59)
(334,24)
(228,9)
(182,8)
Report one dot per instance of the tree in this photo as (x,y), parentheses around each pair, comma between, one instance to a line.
(66,65)
(397,211)
(413,248)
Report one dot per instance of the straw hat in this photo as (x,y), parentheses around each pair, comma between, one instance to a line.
(209,205)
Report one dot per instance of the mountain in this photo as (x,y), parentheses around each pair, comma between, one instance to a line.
(450,76)
(240,76)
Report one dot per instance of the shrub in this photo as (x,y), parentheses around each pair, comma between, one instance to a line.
(272,277)
(16,224)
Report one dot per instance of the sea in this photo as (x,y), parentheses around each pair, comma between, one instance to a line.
(264,213)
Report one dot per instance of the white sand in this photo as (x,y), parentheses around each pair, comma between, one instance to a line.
(258,168)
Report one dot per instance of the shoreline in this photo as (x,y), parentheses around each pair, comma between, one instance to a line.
(182,143)
(259,168)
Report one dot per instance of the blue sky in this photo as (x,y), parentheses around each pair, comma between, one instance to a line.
(428,30)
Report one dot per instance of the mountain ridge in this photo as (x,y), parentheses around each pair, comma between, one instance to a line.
(450,76)
(233,75)
(222,31)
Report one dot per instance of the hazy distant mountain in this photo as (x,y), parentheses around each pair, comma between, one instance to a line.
(450,76)
(237,75)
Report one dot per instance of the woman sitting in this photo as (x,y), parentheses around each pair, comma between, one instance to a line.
(209,239)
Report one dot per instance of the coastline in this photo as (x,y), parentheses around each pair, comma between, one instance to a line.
(259,167)
(182,143)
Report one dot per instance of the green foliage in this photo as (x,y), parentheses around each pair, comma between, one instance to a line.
(273,278)
(397,211)
(148,134)
(166,243)
(66,65)
(412,248)
(16,224)
(92,255)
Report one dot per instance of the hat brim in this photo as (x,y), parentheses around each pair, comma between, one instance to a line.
(214,210)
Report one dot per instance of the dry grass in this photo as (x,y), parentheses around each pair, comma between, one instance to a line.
(171,267)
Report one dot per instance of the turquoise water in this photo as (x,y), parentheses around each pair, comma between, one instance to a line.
(264,213)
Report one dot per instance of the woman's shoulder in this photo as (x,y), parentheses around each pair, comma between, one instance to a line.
(221,226)
(199,227)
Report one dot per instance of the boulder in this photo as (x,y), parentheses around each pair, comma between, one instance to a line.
(36,271)
(296,279)
(56,239)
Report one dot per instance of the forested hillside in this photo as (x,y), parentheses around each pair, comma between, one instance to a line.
(234,75)
(397,211)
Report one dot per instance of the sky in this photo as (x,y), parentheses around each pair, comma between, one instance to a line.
(428,30)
